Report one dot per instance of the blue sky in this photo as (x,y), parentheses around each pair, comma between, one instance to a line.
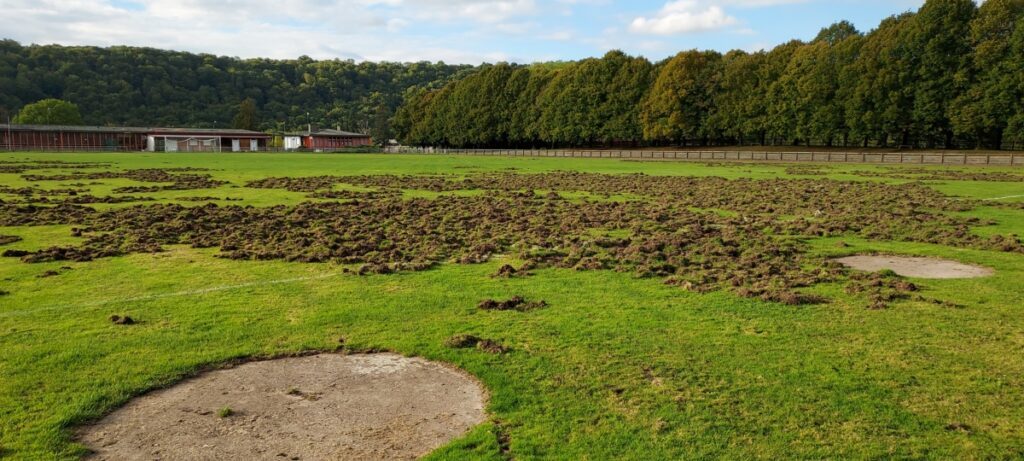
(463,31)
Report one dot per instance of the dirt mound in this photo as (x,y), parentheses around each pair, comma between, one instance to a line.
(89,199)
(925,268)
(328,406)
(464,341)
(516,303)
(927,174)
(23,166)
(208,198)
(9,239)
(118,320)
(180,179)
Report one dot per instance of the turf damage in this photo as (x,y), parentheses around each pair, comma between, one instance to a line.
(325,406)
(754,248)
(925,268)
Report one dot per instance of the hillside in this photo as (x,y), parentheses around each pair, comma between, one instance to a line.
(145,86)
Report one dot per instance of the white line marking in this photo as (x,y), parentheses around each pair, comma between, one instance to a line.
(170,295)
(1000,198)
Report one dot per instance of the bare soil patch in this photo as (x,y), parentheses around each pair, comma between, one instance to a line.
(925,268)
(327,406)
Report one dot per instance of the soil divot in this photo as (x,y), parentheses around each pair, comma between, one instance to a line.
(925,268)
(327,406)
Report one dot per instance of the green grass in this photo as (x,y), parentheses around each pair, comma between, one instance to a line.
(615,368)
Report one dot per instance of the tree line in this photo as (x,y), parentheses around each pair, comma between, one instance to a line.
(131,86)
(948,75)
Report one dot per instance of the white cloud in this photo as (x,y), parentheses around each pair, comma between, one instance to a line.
(755,3)
(681,17)
(397,24)
(483,11)
(349,29)
(465,31)
(561,35)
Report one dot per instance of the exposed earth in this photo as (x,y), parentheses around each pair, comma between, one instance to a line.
(328,406)
(925,268)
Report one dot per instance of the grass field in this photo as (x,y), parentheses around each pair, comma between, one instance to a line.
(617,367)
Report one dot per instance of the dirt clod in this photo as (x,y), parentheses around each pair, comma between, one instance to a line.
(465,341)
(491,347)
(516,303)
(461,341)
(119,320)
(506,270)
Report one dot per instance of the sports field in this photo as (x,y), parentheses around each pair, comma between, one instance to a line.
(677,310)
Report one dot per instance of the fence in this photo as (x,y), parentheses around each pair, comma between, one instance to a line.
(224,149)
(912,158)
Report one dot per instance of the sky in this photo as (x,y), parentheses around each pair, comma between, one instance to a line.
(453,31)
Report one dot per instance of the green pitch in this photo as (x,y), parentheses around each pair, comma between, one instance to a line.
(617,367)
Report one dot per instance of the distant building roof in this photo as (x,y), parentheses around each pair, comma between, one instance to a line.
(347,134)
(134,130)
(75,128)
(329,132)
(207,131)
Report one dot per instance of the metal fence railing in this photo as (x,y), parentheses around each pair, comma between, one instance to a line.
(918,158)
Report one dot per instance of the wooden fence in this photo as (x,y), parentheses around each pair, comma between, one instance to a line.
(910,158)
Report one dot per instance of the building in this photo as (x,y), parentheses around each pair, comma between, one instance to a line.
(204,140)
(60,138)
(328,139)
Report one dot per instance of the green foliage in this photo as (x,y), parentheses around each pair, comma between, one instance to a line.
(940,36)
(49,112)
(248,115)
(992,76)
(681,98)
(148,87)
(948,75)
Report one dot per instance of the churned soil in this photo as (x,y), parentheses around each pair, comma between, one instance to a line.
(925,268)
(756,249)
(9,239)
(179,179)
(327,406)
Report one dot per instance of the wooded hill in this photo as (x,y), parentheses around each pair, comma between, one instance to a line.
(150,87)
(949,75)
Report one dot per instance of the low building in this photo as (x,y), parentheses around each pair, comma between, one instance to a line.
(326,140)
(205,140)
(61,138)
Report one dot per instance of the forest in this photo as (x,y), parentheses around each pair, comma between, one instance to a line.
(950,75)
(149,87)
